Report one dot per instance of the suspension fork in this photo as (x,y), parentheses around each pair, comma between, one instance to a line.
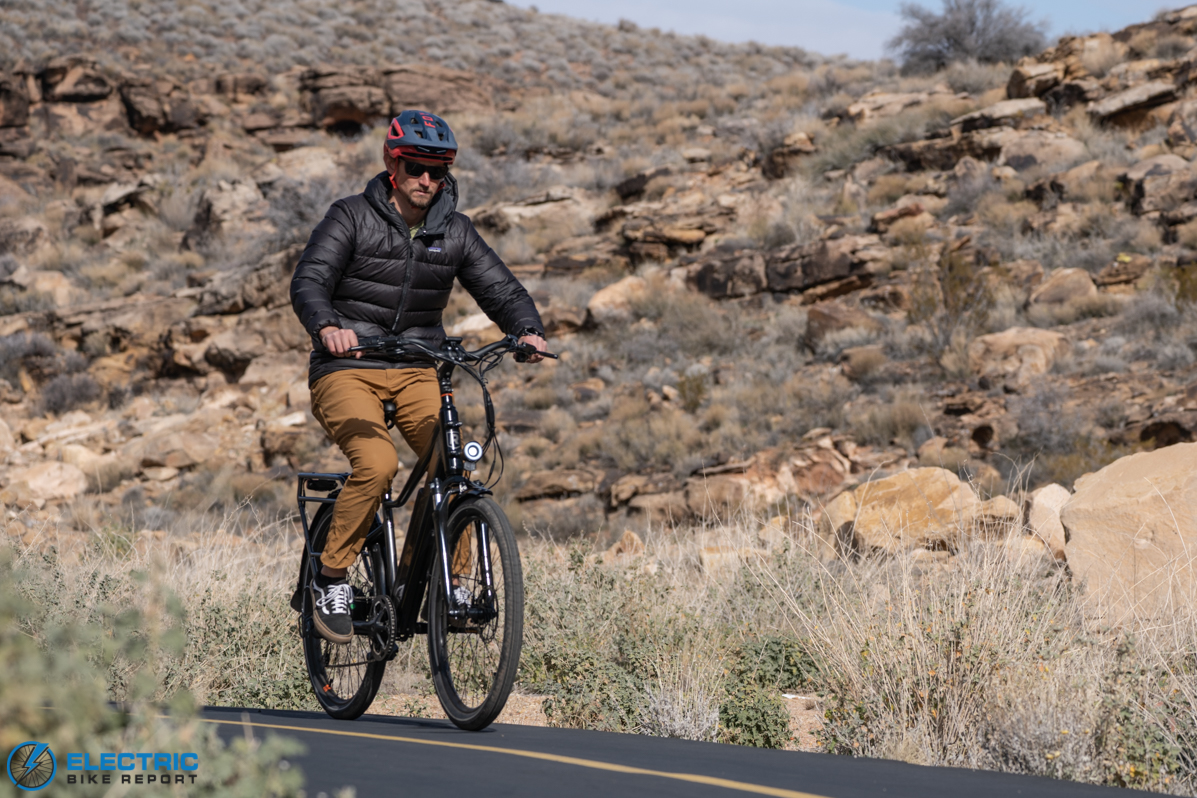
(440,511)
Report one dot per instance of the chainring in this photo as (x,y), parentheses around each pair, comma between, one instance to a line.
(382,636)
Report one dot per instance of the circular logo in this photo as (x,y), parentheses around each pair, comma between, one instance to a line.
(31,765)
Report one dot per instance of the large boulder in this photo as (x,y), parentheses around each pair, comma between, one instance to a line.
(343,95)
(1040,148)
(1064,286)
(45,481)
(1031,79)
(1016,355)
(1137,98)
(438,89)
(1159,183)
(613,304)
(1132,533)
(1007,112)
(14,102)
(927,508)
(558,484)
(74,79)
(159,106)
(1043,518)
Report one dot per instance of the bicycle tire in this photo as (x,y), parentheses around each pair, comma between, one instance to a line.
(474,665)
(343,679)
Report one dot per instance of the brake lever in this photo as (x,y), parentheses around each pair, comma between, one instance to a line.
(526,350)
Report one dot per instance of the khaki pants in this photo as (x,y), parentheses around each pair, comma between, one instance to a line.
(348,404)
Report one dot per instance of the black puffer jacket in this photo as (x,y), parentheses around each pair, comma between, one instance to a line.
(361,270)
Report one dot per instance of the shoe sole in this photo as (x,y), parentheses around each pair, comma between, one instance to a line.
(329,634)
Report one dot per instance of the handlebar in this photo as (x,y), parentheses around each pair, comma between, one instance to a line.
(451,350)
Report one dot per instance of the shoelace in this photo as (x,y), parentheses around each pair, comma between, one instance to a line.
(336,599)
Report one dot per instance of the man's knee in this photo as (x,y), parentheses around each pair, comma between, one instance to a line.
(375,469)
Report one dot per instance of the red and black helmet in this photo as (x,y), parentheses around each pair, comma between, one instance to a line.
(421,136)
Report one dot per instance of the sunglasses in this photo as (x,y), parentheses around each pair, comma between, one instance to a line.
(415,169)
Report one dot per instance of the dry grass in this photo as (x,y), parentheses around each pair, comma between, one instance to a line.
(987,661)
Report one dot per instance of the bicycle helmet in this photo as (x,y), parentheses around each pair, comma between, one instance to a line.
(421,136)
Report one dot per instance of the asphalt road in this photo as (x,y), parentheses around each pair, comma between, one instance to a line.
(407,756)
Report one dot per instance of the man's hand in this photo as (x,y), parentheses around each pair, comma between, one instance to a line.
(538,343)
(338,341)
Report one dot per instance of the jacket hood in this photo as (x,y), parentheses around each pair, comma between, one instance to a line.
(443,206)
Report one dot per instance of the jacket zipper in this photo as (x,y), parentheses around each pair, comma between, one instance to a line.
(403,292)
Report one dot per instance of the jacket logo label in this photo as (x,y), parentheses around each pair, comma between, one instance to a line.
(434,249)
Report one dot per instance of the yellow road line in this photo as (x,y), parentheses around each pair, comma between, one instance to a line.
(742,786)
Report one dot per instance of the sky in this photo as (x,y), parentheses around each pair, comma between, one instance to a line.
(859,28)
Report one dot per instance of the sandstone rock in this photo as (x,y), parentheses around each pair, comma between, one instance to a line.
(661,508)
(1007,112)
(800,267)
(14,102)
(1016,355)
(1159,183)
(172,448)
(103,471)
(938,452)
(1043,517)
(1063,286)
(827,317)
(782,160)
(439,90)
(878,104)
(1126,268)
(1130,531)
(158,106)
(232,208)
(559,483)
(241,86)
(919,508)
(1033,79)
(259,285)
(20,236)
(1147,95)
(74,79)
(736,274)
(631,186)
(79,120)
(1040,148)
(613,304)
(46,481)
(1182,124)
(7,441)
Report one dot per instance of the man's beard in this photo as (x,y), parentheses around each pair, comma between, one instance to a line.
(422,204)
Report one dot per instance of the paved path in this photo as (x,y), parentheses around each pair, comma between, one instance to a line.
(384,756)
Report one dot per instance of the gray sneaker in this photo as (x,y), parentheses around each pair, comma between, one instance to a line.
(330,612)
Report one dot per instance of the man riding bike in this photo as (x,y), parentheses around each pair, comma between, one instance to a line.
(383,263)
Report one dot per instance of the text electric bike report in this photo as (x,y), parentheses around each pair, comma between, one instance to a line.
(458,542)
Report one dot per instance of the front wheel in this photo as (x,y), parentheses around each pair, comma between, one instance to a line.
(474,654)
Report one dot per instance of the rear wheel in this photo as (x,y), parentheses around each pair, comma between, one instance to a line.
(474,658)
(345,677)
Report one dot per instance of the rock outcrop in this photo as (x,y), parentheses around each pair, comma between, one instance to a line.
(1132,533)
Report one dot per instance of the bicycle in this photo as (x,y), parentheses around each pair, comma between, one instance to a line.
(458,537)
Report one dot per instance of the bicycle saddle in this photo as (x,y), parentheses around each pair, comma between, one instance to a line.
(389,409)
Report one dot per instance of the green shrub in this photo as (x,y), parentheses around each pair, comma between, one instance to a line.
(59,669)
(753,715)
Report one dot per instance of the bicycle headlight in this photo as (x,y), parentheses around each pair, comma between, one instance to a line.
(472,451)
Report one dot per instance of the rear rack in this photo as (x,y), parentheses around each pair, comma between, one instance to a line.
(324,483)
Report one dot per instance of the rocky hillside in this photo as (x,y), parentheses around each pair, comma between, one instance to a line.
(772,277)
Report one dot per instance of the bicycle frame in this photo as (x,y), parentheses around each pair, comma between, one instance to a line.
(442,468)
